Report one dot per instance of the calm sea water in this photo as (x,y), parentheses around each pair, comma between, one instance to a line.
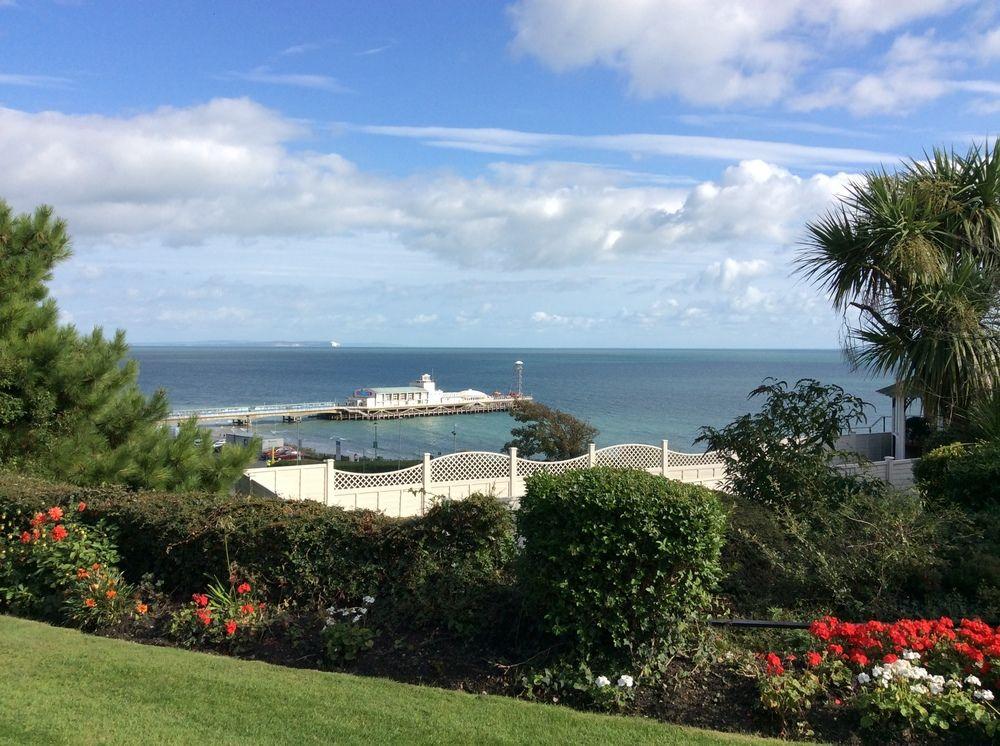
(639,396)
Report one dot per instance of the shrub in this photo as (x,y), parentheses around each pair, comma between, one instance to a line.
(231,615)
(44,559)
(614,559)
(783,455)
(454,567)
(876,551)
(963,475)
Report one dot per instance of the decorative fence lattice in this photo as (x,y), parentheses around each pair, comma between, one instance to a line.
(470,465)
(630,456)
(351,480)
(526,466)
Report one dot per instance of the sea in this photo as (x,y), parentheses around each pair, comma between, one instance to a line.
(629,395)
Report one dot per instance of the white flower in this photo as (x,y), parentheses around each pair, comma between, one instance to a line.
(936,688)
(984,694)
(369,600)
(625,681)
(521,541)
(356,618)
(864,678)
(974,680)
(602,681)
(911,655)
(918,688)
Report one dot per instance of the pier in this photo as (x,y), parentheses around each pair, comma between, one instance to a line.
(244,415)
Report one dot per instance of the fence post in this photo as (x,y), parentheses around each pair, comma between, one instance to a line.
(888,469)
(513,472)
(591,455)
(426,483)
(329,480)
(666,458)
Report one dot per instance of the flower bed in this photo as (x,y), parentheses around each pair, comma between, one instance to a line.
(902,678)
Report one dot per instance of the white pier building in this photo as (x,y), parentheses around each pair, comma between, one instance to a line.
(423,391)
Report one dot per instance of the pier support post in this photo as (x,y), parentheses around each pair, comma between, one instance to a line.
(513,472)
(329,480)
(666,457)
(426,483)
(591,455)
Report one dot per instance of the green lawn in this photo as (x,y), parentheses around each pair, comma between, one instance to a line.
(61,686)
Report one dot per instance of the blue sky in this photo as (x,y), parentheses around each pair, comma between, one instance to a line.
(530,173)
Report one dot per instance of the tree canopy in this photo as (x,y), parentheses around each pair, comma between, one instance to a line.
(912,259)
(550,432)
(70,405)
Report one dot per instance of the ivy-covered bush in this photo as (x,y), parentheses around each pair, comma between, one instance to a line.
(614,560)
(967,475)
(455,567)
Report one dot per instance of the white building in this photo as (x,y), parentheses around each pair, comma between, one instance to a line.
(422,392)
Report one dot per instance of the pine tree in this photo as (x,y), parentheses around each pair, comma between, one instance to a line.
(70,406)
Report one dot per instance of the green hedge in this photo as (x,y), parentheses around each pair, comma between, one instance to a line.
(437,569)
(613,559)
(962,474)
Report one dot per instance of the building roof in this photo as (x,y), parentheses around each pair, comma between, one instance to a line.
(395,389)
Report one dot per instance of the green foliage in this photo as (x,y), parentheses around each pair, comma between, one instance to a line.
(70,407)
(40,559)
(781,456)
(966,475)
(456,568)
(616,560)
(911,259)
(233,615)
(450,570)
(874,552)
(343,642)
(550,432)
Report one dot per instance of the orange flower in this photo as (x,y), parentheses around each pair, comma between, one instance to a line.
(243,588)
(38,519)
(82,574)
(141,608)
(55,513)
(111,593)
(81,507)
(96,566)
(90,603)
(59,532)
(230,627)
(25,538)
(246,609)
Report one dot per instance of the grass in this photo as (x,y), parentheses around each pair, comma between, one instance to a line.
(62,686)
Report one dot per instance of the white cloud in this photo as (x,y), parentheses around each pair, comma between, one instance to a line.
(296,80)
(729,272)
(33,81)
(516,142)
(229,168)
(749,51)
(422,319)
(543,318)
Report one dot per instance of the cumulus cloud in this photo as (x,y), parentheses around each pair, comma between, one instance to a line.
(543,318)
(748,51)
(231,168)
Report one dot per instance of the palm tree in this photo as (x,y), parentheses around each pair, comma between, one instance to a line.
(912,260)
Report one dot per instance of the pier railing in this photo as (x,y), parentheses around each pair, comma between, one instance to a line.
(411,491)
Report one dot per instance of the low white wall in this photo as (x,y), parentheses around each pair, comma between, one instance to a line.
(455,476)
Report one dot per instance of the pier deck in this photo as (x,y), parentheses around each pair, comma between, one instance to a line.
(334,411)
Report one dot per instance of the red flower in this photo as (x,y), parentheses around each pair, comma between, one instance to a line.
(230,627)
(55,513)
(813,659)
(59,532)
(200,599)
(82,506)
(858,657)
(246,609)
(835,649)
(774,665)
(90,603)
(38,520)
(205,616)
(243,588)
(111,593)
(890,658)
(25,538)
(82,574)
